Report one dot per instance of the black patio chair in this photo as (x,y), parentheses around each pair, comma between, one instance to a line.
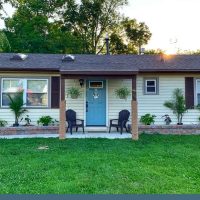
(121,121)
(73,122)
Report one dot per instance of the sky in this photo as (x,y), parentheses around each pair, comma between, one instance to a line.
(174,24)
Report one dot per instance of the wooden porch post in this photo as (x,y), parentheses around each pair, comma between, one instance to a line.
(134,109)
(62,124)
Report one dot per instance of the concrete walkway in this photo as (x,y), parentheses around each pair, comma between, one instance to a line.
(74,135)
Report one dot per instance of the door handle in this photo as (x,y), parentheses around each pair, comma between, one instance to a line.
(86,106)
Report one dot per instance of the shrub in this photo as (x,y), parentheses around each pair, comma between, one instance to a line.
(45,120)
(3,123)
(147,119)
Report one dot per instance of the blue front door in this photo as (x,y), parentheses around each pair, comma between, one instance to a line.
(95,103)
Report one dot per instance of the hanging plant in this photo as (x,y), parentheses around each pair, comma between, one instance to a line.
(123,92)
(74,92)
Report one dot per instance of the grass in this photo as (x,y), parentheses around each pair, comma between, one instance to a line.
(155,164)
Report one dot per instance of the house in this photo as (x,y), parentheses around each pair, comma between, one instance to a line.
(45,79)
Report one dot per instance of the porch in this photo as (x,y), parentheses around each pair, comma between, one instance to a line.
(78,135)
(97,116)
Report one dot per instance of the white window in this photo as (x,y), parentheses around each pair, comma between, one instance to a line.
(96,84)
(150,86)
(198,91)
(35,91)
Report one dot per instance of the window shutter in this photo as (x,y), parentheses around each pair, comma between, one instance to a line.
(189,92)
(55,92)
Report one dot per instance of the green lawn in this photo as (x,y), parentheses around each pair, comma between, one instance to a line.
(154,164)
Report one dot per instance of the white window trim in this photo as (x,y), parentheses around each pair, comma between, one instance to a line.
(155,81)
(25,80)
(196,99)
(96,87)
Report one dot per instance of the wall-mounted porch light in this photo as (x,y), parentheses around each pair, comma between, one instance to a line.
(81,81)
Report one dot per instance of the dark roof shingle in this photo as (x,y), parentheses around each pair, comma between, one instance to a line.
(102,63)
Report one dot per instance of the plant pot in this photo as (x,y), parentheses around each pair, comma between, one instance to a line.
(122,97)
(45,124)
(179,123)
(15,124)
(74,96)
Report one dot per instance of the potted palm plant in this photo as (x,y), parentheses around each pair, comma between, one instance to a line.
(123,92)
(74,92)
(177,105)
(16,105)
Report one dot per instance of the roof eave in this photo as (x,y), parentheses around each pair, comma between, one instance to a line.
(168,70)
(117,73)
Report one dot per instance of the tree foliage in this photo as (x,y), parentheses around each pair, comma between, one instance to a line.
(137,33)
(70,26)
(91,19)
(4,43)
(30,29)
(128,36)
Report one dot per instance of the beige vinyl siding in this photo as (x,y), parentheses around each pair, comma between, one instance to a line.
(75,104)
(115,105)
(153,104)
(34,114)
(146,103)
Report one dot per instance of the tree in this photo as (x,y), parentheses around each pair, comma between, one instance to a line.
(117,45)
(138,34)
(189,52)
(128,36)
(26,31)
(154,52)
(4,43)
(91,19)
(32,29)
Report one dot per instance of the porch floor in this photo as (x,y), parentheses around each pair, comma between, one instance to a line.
(78,135)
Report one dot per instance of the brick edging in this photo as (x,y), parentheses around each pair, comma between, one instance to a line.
(170,129)
(26,130)
(149,129)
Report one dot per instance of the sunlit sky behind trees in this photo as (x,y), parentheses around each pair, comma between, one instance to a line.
(173,23)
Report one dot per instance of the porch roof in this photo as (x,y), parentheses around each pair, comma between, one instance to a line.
(102,64)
